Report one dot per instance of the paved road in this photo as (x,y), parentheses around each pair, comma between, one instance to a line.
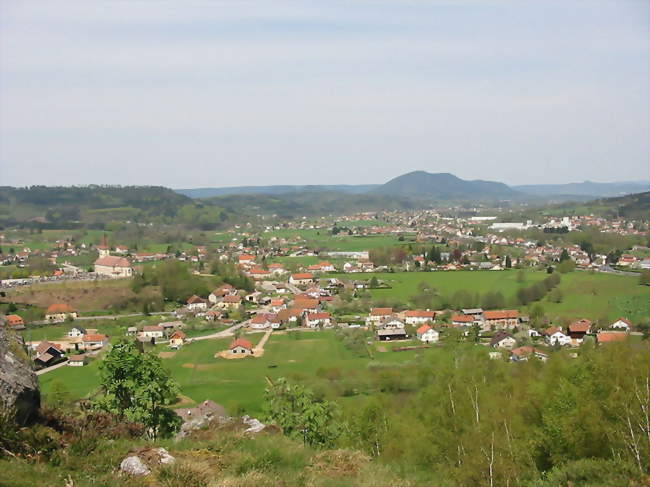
(610,270)
(101,317)
(54,367)
(221,334)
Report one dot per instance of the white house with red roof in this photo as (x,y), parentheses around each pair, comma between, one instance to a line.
(314,320)
(621,324)
(419,316)
(427,334)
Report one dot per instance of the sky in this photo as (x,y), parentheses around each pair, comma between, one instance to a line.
(229,93)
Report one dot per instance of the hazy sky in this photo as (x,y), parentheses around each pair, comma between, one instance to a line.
(225,93)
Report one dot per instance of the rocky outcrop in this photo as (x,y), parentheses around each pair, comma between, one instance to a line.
(18,382)
(140,462)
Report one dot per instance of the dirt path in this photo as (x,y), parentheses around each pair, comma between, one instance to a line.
(221,334)
(258,351)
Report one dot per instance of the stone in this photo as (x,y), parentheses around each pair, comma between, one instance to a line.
(134,466)
(18,382)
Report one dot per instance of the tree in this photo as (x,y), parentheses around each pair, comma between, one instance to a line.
(295,409)
(644,278)
(374,283)
(521,275)
(508,262)
(136,387)
(566,266)
(564,255)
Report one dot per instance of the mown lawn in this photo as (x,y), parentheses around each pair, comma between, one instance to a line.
(239,384)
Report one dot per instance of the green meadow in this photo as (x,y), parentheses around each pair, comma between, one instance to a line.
(239,384)
(592,295)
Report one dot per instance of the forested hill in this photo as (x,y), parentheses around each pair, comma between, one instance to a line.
(67,205)
(310,203)
(444,186)
(632,207)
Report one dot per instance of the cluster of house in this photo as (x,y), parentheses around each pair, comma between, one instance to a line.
(75,346)
(170,331)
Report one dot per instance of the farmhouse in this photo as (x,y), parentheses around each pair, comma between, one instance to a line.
(94,341)
(502,339)
(498,319)
(378,314)
(462,320)
(113,266)
(427,334)
(522,354)
(578,330)
(259,273)
(419,317)
(313,320)
(621,324)
(307,305)
(231,302)
(555,336)
(152,331)
(47,353)
(301,279)
(59,312)
(177,339)
(260,321)
(77,360)
(195,303)
(220,292)
(241,346)
(15,321)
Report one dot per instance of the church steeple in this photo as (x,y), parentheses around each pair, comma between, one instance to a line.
(103,248)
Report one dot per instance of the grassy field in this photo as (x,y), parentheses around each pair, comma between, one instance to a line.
(239,384)
(405,284)
(586,295)
(322,239)
(599,295)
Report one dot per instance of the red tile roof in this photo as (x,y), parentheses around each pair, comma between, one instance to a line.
(611,336)
(502,314)
(381,311)
(423,329)
(241,342)
(60,308)
(99,337)
(113,261)
(420,313)
(302,275)
(462,318)
(581,326)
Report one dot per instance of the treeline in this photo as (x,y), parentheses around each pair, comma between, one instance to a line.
(537,291)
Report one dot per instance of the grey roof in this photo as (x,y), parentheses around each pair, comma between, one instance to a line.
(391,332)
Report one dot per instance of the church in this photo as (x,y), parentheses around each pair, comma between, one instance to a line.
(111,265)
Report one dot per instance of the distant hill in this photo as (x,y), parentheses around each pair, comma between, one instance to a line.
(586,188)
(421,184)
(305,203)
(631,207)
(70,206)
(432,186)
(280,189)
